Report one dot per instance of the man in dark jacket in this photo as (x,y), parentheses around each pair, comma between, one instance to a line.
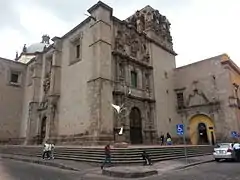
(146,158)
(107,156)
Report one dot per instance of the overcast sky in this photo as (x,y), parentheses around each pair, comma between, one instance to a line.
(200,28)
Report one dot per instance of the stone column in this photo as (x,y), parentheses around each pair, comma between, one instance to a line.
(54,92)
(33,105)
(100,85)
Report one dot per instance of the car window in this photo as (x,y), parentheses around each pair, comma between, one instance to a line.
(223,145)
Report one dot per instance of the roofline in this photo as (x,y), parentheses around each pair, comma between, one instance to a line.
(232,65)
(87,20)
(11,61)
(201,61)
(100,4)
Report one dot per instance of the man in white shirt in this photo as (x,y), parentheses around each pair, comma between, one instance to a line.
(46,150)
(236,148)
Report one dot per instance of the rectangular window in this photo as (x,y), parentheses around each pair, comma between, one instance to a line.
(14,78)
(75,47)
(134,79)
(180,100)
(78,51)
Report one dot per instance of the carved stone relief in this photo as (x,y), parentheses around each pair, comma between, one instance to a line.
(119,41)
(150,19)
(197,98)
(129,42)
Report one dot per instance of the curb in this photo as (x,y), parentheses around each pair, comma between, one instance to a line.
(124,174)
(46,163)
(195,164)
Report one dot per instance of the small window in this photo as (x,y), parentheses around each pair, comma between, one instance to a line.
(134,78)
(147,81)
(121,70)
(78,51)
(180,100)
(14,78)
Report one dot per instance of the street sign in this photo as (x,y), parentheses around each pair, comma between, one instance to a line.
(180,129)
(234,134)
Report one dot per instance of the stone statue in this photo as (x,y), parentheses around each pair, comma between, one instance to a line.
(128,37)
(140,21)
(133,21)
(158,17)
(24,48)
(143,45)
(16,57)
(165,23)
(148,20)
(46,84)
(119,41)
(45,39)
(134,48)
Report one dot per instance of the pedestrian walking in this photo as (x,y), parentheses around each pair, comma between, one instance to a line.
(107,159)
(162,139)
(236,148)
(52,151)
(169,139)
(46,147)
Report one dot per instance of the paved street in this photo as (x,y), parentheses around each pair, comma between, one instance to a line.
(209,171)
(15,170)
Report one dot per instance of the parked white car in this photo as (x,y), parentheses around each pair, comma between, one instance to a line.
(224,151)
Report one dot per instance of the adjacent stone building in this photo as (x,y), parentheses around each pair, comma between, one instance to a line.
(65,89)
(208,99)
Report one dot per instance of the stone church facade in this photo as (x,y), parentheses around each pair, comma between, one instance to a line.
(64,91)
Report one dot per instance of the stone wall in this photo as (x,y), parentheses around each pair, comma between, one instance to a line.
(207,92)
(11,98)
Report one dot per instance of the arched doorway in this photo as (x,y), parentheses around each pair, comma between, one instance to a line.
(201,130)
(135,126)
(43,129)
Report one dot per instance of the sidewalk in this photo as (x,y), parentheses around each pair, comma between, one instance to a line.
(93,170)
(62,164)
(156,169)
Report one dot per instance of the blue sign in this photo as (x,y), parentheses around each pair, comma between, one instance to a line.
(234,134)
(180,129)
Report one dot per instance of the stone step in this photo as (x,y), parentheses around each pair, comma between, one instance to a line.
(132,154)
(119,156)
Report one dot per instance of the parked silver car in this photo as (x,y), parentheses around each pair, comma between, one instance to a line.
(224,151)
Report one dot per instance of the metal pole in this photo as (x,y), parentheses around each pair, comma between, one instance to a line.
(184,142)
(185,148)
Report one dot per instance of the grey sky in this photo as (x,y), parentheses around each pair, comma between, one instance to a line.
(200,28)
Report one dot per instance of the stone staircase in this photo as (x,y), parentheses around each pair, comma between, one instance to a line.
(119,155)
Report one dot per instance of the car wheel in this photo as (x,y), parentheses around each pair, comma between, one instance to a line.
(217,160)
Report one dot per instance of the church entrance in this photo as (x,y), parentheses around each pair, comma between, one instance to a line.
(43,129)
(135,126)
(202,132)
